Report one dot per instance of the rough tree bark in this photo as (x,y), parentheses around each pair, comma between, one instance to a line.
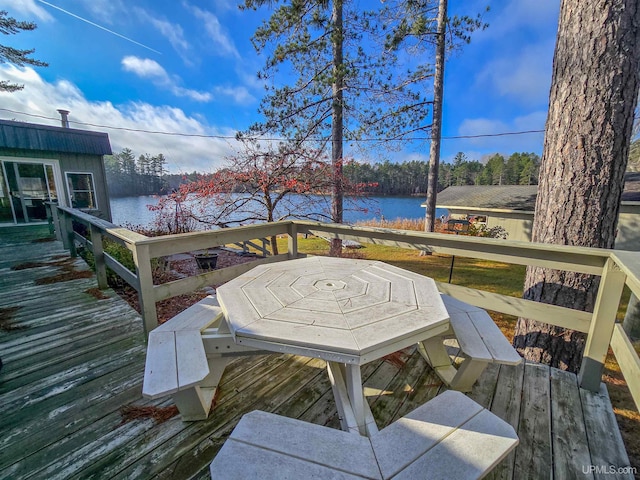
(593,94)
(436,124)
(337,122)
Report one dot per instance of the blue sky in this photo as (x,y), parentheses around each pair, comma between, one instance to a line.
(189,67)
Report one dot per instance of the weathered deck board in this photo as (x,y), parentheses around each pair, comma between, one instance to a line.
(79,360)
(570,457)
(507,405)
(603,434)
(535,424)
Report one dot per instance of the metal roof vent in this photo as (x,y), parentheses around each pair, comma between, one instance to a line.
(64,117)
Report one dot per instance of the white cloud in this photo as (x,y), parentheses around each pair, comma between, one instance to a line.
(246,70)
(172,32)
(225,5)
(145,68)
(222,42)
(152,70)
(239,94)
(524,77)
(184,154)
(481,126)
(106,11)
(25,10)
(531,121)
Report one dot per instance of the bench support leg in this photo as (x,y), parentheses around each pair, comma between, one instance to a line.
(216,369)
(461,379)
(467,374)
(195,403)
(435,354)
(353,409)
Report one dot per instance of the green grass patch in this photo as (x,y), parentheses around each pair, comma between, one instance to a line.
(469,272)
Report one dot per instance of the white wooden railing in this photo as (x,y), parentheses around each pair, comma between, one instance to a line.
(616,268)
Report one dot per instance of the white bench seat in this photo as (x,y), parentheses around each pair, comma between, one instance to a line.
(449,437)
(481,343)
(268,446)
(177,363)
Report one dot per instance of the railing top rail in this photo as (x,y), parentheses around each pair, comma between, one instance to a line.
(109,228)
(629,263)
(581,259)
(181,242)
(207,233)
(468,240)
(566,257)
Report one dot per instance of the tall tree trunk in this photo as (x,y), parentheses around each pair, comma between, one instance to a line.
(436,124)
(593,94)
(337,122)
(270,209)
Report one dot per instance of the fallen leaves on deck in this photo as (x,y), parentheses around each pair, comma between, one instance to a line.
(97,293)
(130,413)
(397,359)
(67,271)
(6,319)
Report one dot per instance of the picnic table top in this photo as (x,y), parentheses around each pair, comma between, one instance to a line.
(338,309)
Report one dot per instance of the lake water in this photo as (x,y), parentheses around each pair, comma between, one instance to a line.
(134,210)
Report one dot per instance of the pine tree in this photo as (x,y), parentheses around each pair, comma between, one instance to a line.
(594,91)
(11,26)
(346,84)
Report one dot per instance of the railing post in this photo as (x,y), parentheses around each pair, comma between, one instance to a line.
(601,329)
(98,257)
(146,295)
(48,207)
(70,236)
(55,220)
(64,236)
(292,242)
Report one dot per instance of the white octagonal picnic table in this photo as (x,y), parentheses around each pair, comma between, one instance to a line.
(345,311)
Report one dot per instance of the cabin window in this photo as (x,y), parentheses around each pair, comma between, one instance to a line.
(25,187)
(82,190)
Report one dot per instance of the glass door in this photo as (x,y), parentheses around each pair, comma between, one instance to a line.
(29,185)
(6,212)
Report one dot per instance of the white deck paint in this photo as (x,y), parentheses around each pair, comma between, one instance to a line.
(480,341)
(449,437)
(341,310)
(323,304)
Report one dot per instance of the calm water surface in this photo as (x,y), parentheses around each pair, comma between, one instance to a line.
(134,210)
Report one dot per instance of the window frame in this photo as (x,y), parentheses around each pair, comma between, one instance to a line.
(70,191)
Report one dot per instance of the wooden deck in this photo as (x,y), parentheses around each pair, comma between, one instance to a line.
(72,362)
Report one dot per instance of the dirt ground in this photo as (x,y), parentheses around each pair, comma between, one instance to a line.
(180,266)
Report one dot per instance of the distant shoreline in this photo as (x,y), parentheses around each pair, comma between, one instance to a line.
(133,210)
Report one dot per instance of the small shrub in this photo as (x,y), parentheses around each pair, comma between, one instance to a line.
(481,230)
(125,257)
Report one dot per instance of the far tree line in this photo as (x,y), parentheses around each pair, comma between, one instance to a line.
(131,176)
(146,174)
(410,178)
